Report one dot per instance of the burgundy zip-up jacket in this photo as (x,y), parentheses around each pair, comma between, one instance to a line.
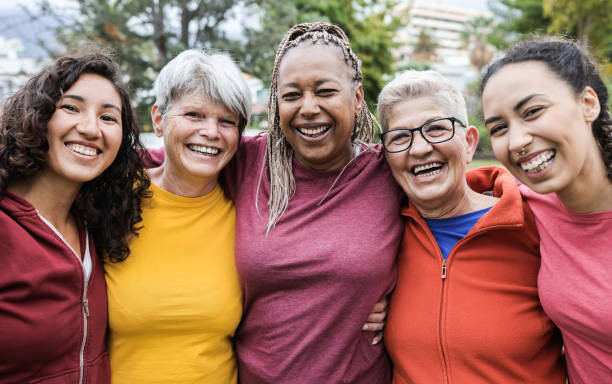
(52,327)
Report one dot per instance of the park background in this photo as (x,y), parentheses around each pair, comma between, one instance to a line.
(457,38)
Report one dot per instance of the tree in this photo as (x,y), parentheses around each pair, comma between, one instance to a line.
(424,48)
(145,34)
(475,38)
(588,21)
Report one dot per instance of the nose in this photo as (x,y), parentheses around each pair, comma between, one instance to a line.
(209,128)
(518,137)
(310,105)
(88,126)
(419,145)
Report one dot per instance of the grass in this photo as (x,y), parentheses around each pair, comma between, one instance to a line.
(477,163)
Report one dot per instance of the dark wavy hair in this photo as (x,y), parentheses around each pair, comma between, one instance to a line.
(573,65)
(110,203)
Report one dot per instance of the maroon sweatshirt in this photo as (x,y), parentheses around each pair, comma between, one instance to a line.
(52,327)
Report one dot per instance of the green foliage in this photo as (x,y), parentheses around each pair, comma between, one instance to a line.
(144,34)
(588,21)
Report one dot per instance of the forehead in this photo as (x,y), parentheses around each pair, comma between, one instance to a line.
(309,61)
(415,112)
(95,88)
(201,101)
(515,81)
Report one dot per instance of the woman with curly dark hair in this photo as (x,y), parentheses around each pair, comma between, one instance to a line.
(70,177)
(546,109)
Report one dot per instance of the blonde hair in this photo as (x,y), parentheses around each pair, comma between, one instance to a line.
(279,154)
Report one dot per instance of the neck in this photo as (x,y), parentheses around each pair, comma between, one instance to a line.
(181,185)
(52,199)
(588,194)
(332,165)
(464,201)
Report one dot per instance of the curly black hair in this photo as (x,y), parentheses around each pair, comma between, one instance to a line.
(111,202)
(572,64)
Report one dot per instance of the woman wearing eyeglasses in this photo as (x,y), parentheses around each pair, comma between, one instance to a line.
(465,308)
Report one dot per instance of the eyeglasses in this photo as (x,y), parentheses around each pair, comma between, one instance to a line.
(434,132)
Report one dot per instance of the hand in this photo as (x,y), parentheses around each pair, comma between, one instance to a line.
(376,320)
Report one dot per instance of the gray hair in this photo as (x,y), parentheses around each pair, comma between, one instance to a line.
(414,84)
(213,74)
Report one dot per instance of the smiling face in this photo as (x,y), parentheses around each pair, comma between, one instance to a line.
(540,129)
(84,132)
(431,175)
(317,104)
(200,138)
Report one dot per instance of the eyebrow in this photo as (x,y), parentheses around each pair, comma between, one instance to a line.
(524,100)
(296,85)
(82,100)
(516,107)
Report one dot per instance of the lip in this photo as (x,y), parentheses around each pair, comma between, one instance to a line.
(84,144)
(299,127)
(429,178)
(531,156)
(203,145)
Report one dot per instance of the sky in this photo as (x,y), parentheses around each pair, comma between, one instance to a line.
(15,23)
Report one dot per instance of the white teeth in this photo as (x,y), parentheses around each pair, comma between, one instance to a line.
(423,167)
(434,172)
(314,131)
(204,150)
(83,150)
(538,163)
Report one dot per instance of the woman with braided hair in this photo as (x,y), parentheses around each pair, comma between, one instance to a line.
(317,222)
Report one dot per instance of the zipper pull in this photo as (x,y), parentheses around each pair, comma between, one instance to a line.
(444,270)
(86,307)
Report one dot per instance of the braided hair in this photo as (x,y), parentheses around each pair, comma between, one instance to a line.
(279,153)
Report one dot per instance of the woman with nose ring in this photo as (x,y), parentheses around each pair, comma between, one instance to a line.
(546,109)
(465,308)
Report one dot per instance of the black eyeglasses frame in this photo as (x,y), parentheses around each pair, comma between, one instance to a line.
(453,120)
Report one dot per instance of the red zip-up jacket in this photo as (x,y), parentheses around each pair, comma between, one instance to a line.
(475,318)
(52,326)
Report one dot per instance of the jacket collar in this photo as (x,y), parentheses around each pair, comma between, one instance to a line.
(508,211)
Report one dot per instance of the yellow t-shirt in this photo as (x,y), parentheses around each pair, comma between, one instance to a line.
(175,302)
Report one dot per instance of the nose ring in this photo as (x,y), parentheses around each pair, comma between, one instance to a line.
(522,152)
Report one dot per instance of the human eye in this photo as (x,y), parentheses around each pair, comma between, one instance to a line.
(229,122)
(498,129)
(290,96)
(325,92)
(193,115)
(399,137)
(109,118)
(436,129)
(532,111)
(69,107)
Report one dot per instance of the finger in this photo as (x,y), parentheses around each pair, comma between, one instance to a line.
(376,317)
(373,327)
(381,305)
(377,338)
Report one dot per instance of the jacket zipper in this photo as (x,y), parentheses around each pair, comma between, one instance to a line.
(85,305)
(444,272)
(444,362)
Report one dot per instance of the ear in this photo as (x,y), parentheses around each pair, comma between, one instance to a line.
(156,119)
(471,137)
(359,98)
(590,104)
